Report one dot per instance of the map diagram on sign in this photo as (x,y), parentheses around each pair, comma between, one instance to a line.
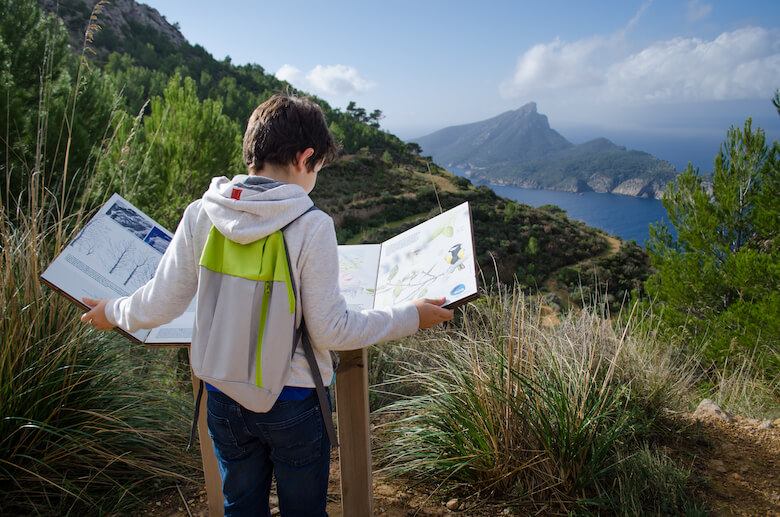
(435,259)
(115,253)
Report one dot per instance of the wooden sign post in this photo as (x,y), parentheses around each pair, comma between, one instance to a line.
(210,468)
(357,499)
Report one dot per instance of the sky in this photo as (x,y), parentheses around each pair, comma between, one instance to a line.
(664,76)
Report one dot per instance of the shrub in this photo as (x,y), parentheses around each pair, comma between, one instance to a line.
(505,404)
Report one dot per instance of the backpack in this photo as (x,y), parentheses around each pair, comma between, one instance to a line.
(245,335)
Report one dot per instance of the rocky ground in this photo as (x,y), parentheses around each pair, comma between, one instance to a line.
(735,467)
(738,463)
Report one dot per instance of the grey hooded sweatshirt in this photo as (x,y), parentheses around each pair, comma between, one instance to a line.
(264,206)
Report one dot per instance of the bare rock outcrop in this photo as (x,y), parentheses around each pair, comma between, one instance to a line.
(641,187)
(601,183)
(709,409)
(116,16)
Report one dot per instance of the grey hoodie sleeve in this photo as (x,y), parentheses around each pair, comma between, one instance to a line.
(330,324)
(168,294)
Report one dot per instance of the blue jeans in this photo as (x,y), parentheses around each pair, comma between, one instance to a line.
(289,442)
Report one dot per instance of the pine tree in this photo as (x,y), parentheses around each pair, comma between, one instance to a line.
(719,280)
(188,143)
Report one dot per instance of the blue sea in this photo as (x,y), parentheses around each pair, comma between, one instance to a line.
(627,217)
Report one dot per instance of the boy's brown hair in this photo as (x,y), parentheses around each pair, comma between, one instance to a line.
(284,125)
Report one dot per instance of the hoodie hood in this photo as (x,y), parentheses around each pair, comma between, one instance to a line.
(248,208)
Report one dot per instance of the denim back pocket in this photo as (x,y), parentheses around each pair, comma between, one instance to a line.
(297,441)
(221,430)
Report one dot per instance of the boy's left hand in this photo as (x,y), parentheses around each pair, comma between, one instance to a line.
(97,315)
(431,312)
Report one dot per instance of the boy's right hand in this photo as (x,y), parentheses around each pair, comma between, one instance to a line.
(431,312)
(97,315)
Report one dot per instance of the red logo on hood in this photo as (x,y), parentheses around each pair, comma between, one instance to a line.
(236,194)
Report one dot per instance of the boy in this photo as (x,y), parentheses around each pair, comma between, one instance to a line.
(286,144)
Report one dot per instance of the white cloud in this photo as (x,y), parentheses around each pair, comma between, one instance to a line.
(697,10)
(337,80)
(743,64)
(289,73)
(326,80)
(558,65)
(633,21)
(562,66)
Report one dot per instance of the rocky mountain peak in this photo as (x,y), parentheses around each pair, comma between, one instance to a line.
(116,16)
(527,109)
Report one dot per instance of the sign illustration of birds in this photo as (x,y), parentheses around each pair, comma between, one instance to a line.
(454,257)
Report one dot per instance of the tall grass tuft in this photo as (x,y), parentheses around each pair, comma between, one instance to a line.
(86,424)
(743,388)
(514,406)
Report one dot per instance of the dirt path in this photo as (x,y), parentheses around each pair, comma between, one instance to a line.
(739,467)
(735,469)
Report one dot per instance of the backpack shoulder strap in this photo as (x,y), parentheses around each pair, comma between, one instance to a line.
(303,336)
(300,329)
(196,414)
(320,388)
(312,208)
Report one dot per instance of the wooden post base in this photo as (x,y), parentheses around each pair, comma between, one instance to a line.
(210,467)
(354,439)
